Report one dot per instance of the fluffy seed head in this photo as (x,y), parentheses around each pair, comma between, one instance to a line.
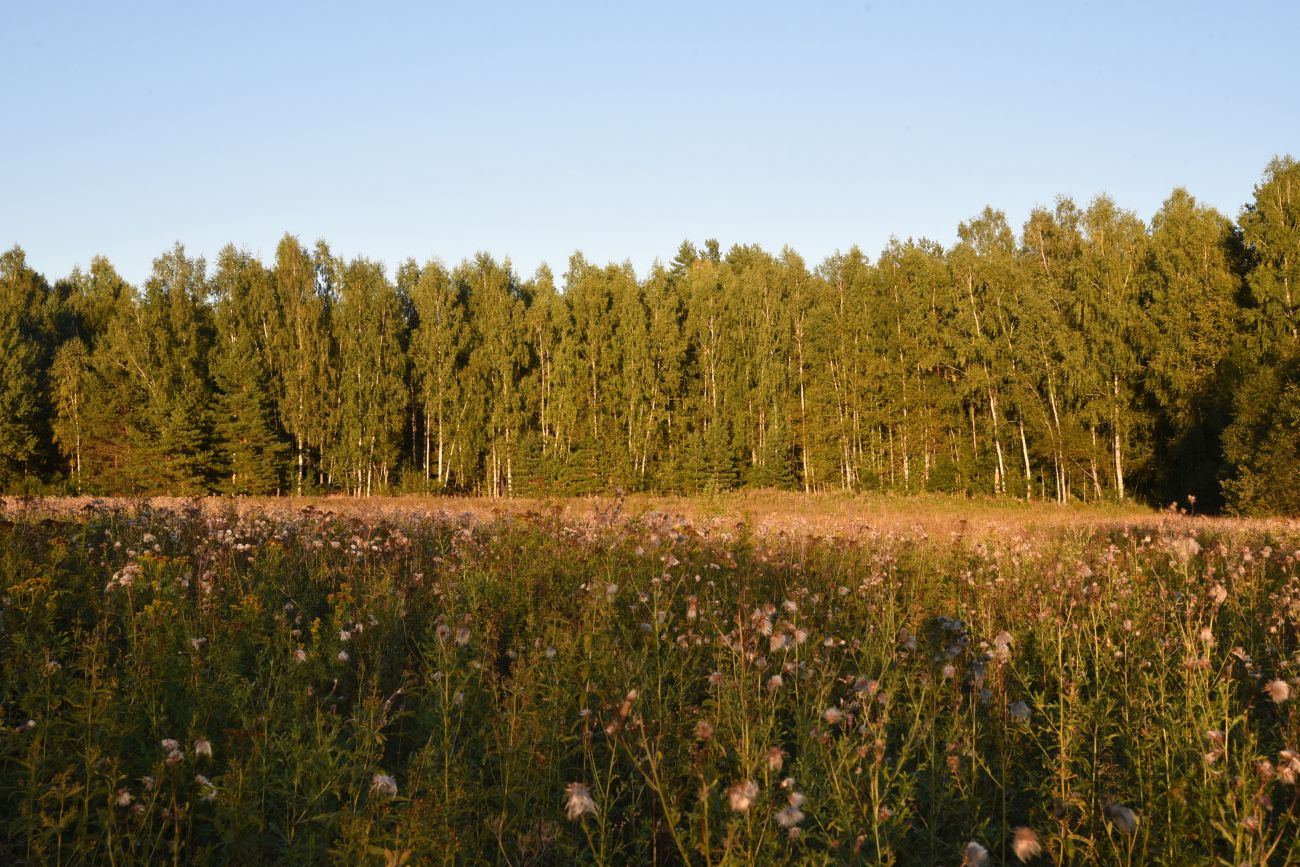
(1278,690)
(741,796)
(975,855)
(383,784)
(1026,845)
(579,802)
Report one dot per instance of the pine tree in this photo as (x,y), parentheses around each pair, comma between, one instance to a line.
(250,447)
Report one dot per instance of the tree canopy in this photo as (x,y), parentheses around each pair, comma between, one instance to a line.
(1089,355)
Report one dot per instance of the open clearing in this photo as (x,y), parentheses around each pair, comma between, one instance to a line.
(739,679)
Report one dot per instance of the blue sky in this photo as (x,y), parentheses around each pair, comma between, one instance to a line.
(531,130)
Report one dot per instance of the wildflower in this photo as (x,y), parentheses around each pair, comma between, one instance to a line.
(203,747)
(1250,823)
(1264,771)
(343,656)
(774,683)
(800,636)
(462,636)
(975,855)
(1278,690)
(777,641)
(443,631)
(170,745)
(715,678)
(703,730)
(775,759)
(741,796)
(790,815)
(148,783)
(833,715)
(1207,636)
(1124,819)
(385,785)
(1185,548)
(300,655)
(124,798)
(949,671)
(26,727)
(345,636)
(197,643)
(1219,594)
(207,791)
(1018,711)
(626,707)
(1026,845)
(579,802)
(175,757)
(1288,767)
(52,667)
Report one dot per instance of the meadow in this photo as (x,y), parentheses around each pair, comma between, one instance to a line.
(712,681)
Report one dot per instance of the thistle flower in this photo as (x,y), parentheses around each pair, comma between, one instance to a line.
(1018,711)
(383,784)
(1219,594)
(462,636)
(1026,845)
(1288,767)
(342,656)
(975,855)
(790,815)
(774,683)
(579,802)
(741,796)
(703,730)
(1278,690)
(300,655)
(124,798)
(207,791)
(1124,819)
(775,759)
(203,747)
(777,641)
(833,715)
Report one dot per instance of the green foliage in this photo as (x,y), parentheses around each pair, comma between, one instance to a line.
(1088,357)
(1263,442)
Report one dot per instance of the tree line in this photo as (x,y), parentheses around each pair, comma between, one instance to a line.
(1090,356)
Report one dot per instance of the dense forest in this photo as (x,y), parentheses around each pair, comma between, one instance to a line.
(1091,356)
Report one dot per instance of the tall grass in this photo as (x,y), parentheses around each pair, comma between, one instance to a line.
(179,686)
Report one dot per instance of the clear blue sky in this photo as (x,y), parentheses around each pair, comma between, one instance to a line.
(532,130)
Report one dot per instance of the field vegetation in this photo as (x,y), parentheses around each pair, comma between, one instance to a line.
(720,681)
